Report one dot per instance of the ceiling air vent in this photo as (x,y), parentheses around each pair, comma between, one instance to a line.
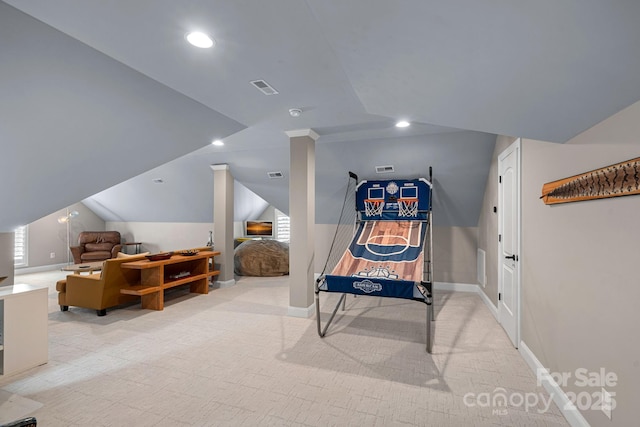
(384,169)
(264,87)
(275,175)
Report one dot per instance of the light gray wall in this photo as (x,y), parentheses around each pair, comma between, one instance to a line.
(170,236)
(488,222)
(247,205)
(579,262)
(269,214)
(621,128)
(580,273)
(163,236)
(47,236)
(324,236)
(580,266)
(454,254)
(124,122)
(7,242)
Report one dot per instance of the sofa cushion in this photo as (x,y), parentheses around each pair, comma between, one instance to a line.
(91,247)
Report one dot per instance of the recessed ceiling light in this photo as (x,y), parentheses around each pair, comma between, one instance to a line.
(403,124)
(158,180)
(199,39)
(218,143)
(295,112)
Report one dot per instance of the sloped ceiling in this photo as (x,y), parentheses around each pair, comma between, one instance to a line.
(74,121)
(117,88)
(459,161)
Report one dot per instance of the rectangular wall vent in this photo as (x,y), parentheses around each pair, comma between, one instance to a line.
(384,169)
(275,175)
(264,87)
(481,268)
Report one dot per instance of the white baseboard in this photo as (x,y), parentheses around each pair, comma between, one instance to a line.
(224,283)
(492,308)
(570,412)
(29,270)
(302,312)
(467,287)
(455,287)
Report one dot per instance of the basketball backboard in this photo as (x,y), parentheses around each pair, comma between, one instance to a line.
(389,191)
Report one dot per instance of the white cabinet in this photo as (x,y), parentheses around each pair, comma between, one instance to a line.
(24,341)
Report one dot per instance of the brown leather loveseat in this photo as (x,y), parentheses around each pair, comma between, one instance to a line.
(96,246)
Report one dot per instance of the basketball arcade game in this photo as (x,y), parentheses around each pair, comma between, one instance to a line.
(391,249)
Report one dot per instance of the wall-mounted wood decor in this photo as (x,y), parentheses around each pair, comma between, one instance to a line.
(621,179)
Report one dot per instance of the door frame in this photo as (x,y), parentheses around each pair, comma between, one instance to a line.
(517,146)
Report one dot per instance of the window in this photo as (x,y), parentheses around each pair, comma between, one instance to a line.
(20,247)
(282,224)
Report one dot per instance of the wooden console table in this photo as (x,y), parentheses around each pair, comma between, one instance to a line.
(156,276)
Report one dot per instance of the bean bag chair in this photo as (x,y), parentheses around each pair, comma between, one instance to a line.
(263,258)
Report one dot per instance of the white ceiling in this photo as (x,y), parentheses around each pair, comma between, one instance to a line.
(116,96)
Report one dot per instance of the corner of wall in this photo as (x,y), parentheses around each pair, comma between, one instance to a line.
(6,258)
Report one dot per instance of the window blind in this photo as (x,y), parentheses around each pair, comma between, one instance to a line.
(283,227)
(20,247)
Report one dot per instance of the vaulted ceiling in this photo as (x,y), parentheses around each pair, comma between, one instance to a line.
(99,98)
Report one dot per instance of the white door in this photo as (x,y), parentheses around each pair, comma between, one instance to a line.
(509,241)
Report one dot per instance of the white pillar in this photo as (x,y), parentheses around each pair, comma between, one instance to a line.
(302,209)
(223,222)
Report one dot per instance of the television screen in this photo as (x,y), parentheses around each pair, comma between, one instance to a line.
(258,228)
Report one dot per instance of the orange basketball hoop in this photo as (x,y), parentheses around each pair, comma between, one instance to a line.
(407,207)
(373,207)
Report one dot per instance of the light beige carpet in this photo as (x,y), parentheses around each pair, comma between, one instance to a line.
(14,407)
(234,358)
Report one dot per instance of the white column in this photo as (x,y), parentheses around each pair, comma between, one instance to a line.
(302,197)
(223,222)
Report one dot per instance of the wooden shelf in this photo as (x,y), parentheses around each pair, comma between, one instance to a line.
(139,290)
(155,277)
(183,280)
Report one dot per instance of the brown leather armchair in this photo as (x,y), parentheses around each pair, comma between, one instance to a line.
(96,246)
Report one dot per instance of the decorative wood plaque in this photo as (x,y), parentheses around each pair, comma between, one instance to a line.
(620,179)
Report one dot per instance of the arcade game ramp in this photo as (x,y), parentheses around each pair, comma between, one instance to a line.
(385,258)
